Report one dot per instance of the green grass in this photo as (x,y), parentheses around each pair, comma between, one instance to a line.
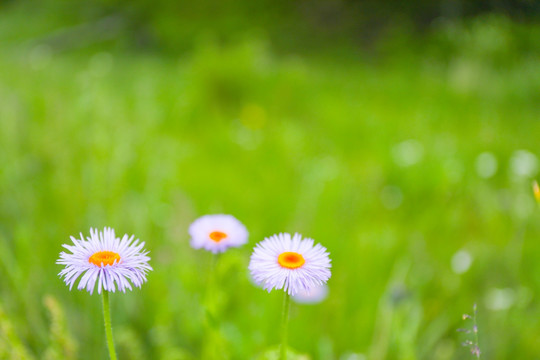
(305,144)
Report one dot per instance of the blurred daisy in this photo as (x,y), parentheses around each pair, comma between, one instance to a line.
(216,233)
(291,264)
(105,259)
(314,295)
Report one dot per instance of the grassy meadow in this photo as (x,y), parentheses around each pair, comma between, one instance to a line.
(413,167)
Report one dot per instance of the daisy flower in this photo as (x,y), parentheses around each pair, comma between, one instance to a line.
(289,263)
(216,233)
(103,258)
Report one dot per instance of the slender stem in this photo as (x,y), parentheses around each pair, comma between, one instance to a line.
(213,262)
(210,285)
(212,348)
(284,326)
(108,325)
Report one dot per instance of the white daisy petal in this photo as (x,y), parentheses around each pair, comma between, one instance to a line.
(216,233)
(105,259)
(289,263)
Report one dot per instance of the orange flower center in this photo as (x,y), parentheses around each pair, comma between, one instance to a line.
(217,236)
(104,257)
(291,260)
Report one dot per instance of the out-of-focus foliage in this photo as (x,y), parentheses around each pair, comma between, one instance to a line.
(412,163)
(177,27)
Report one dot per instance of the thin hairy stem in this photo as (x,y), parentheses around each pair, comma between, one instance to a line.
(108,325)
(284,326)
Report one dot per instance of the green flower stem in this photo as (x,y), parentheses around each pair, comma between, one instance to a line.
(211,285)
(213,347)
(108,325)
(284,326)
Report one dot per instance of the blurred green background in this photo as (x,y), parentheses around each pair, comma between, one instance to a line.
(401,136)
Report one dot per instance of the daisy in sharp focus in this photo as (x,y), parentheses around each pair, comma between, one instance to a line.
(103,258)
(111,262)
(289,263)
(216,233)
